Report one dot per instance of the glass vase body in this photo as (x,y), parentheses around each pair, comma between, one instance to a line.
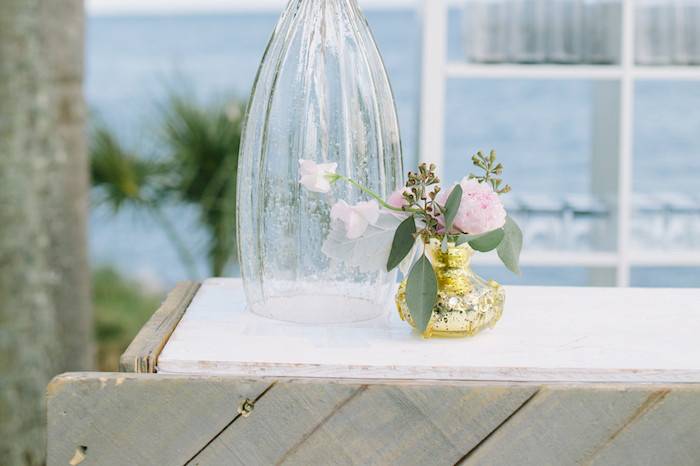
(466,303)
(321,93)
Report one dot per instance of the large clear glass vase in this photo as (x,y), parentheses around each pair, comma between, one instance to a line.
(321,93)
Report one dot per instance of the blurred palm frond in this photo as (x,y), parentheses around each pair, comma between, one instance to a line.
(198,167)
(122,177)
(203,146)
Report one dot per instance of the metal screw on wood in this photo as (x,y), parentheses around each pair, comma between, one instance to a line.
(246,407)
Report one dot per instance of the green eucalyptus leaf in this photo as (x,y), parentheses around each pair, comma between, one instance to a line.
(510,247)
(452,206)
(402,243)
(461,239)
(464,238)
(421,292)
(488,241)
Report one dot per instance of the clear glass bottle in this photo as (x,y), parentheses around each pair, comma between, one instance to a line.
(565,36)
(654,32)
(687,21)
(528,31)
(603,31)
(486,24)
(321,93)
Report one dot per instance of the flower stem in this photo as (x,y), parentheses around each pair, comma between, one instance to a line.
(376,196)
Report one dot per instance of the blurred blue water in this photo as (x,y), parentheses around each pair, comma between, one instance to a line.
(540,128)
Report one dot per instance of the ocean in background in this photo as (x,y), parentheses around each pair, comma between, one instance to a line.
(541,129)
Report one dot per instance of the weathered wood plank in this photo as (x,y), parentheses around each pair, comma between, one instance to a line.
(281,419)
(139,419)
(405,424)
(564,426)
(334,423)
(104,418)
(666,433)
(142,354)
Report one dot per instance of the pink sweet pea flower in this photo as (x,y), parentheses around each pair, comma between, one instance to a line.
(356,217)
(316,177)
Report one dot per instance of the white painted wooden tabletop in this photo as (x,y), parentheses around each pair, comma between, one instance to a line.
(546,334)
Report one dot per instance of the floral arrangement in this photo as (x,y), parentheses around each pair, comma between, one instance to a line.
(386,234)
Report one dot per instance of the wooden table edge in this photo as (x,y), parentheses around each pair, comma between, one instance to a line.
(142,354)
(58,383)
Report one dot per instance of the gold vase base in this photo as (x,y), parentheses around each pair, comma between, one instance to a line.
(459,314)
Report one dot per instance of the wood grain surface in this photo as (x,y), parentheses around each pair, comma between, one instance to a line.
(148,419)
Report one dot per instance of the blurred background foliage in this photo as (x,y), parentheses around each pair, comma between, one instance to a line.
(195,165)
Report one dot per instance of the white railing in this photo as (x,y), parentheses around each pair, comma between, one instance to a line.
(612,145)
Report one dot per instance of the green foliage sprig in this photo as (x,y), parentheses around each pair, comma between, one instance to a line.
(420,195)
(491,171)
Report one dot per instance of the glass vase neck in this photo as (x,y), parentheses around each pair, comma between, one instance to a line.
(452,257)
(320,3)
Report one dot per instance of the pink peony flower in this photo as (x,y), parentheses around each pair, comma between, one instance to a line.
(480,211)
(356,217)
(396,198)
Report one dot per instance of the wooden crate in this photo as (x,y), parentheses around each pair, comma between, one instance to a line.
(569,377)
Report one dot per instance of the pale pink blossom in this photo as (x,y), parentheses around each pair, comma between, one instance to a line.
(356,217)
(480,211)
(317,177)
(396,198)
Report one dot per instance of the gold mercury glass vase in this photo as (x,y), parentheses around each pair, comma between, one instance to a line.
(466,303)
